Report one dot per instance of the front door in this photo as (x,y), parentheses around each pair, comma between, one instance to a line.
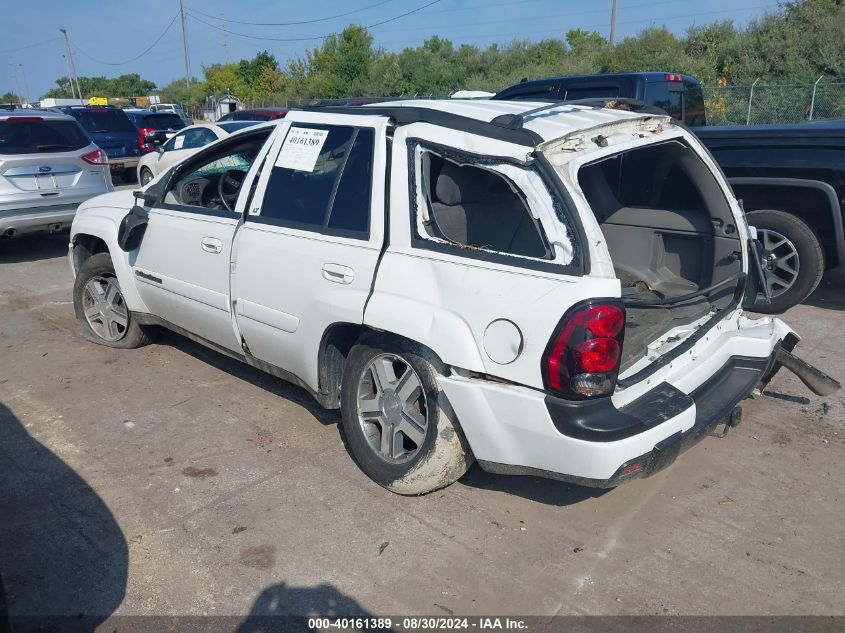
(182,265)
(307,251)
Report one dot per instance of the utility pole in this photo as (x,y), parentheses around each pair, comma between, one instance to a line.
(69,74)
(225,44)
(185,46)
(17,83)
(73,75)
(25,83)
(613,9)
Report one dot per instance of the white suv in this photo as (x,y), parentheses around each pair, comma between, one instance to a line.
(548,289)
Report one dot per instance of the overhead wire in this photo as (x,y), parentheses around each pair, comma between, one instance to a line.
(311,37)
(34,45)
(298,23)
(128,61)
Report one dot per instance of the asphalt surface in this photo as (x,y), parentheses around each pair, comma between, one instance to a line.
(172,480)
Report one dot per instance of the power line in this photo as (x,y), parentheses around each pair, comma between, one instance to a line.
(137,57)
(325,19)
(36,44)
(312,37)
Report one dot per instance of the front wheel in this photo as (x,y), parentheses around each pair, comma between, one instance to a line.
(145,176)
(398,424)
(100,309)
(792,262)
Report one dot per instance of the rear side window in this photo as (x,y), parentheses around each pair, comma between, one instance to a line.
(163,121)
(474,207)
(30,135)
(591,92)
(334,196)
(103,120)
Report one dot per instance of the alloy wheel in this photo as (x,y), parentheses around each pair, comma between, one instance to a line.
(392,408)
(104,308)
(780,261)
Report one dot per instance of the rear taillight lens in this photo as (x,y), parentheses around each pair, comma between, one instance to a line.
(582,359)
(97,157)
(145,142)
(21,119)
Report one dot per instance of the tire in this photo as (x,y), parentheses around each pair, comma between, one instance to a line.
(794,268)
(434,457)
(129,176)
(109,321)
(145,176)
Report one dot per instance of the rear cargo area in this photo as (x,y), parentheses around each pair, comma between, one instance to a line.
(671,235)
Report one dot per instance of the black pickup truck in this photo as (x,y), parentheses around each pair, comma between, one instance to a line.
(790,178)
(791,181)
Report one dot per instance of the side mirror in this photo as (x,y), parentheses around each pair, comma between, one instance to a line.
(132,228)
(160,149)
(147,196)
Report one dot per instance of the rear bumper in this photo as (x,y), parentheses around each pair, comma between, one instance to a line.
(48,219)
(518,430)
(128,162)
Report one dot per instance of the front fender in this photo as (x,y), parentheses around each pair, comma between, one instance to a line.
(102,221)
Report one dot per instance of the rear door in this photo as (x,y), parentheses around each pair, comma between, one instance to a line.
(307,251)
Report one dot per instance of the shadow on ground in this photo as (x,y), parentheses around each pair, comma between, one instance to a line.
(61,550)
(285,608)
(32,248)
(546,491)
(831,291)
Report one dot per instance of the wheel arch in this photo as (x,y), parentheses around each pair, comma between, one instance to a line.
(820,210)
(93,234)
(337,341)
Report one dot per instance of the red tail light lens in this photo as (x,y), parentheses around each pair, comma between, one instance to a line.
(97,157)
(145,143)
(582,359)
(598,354)
(19,119)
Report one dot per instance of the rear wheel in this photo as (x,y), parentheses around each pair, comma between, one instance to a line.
(146,176)
(399,426)
(101,310)
(792,262)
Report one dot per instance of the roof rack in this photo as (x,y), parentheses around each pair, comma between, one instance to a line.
(405,115)
(515,121)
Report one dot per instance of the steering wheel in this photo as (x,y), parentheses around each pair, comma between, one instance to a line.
(233,179)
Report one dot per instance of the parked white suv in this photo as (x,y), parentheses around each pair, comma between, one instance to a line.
(547,289)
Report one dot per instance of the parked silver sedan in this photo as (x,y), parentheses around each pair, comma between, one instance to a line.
(48,166)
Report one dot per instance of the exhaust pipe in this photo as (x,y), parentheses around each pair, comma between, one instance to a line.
(816,380)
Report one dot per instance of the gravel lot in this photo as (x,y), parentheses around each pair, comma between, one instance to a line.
(172,480)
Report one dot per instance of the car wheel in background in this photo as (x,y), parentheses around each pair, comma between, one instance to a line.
(399,426)
(101,310)
(146,176)
(793,259)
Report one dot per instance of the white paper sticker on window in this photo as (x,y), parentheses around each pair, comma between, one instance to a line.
(301,148)
(179,142)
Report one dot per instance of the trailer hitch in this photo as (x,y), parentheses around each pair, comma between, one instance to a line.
(816,380)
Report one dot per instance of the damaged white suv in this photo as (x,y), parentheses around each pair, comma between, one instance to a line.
(547,289)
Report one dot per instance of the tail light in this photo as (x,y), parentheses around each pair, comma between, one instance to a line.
(97,157)
(673,77)
(582,359)
(20,119)
(145,141)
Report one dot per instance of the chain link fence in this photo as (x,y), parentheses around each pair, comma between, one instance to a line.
(780,103)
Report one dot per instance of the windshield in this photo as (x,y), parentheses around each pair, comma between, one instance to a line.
(32,135)
(234,126)
(103,120)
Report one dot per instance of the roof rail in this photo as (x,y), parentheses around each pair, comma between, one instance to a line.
(515,121)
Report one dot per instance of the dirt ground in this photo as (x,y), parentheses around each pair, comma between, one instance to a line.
(172,480)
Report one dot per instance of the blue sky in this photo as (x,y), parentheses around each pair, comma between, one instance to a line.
(115,32)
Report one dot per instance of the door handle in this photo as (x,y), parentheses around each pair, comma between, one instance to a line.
(338,274)
(211,245)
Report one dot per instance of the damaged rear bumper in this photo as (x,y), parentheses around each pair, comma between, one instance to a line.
(602,443)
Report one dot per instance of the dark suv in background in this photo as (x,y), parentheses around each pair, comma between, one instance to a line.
(679,95)
(154,128)
(114,133)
